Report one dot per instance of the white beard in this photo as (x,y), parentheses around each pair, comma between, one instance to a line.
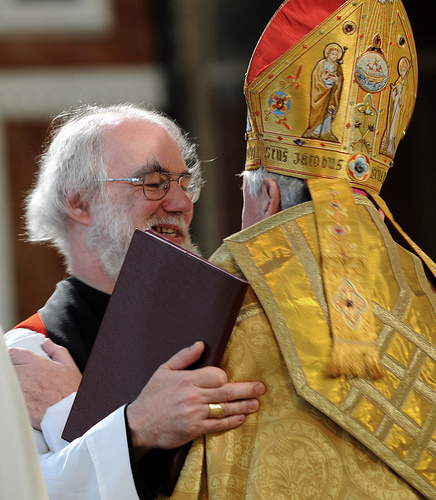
(112,231)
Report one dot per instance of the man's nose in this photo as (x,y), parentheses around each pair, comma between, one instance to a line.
(176,200)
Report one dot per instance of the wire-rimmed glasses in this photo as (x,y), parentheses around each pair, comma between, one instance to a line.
(155,185)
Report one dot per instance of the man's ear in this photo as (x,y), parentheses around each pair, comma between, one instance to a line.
(78,209)
(270,196)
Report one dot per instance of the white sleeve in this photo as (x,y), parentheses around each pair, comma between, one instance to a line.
(95,466)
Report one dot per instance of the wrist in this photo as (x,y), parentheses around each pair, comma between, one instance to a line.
(136,432)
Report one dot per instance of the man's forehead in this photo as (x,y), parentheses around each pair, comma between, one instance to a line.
(143,145)
(118,128)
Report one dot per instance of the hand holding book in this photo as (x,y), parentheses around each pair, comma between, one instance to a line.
(164,300)
(149,430)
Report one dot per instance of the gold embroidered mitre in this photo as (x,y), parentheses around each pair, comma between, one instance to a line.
(330,90)
(337,102)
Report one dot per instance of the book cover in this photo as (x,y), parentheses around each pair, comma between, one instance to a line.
(165,299)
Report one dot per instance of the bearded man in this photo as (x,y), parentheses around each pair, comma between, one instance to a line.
(106,172)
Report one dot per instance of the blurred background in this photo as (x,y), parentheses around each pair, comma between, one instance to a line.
(187,57)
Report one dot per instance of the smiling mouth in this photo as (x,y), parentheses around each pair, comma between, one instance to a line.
(167,231)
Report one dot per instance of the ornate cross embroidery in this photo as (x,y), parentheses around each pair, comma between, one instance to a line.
(350,304)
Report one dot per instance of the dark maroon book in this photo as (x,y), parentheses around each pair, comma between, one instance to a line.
(166,298)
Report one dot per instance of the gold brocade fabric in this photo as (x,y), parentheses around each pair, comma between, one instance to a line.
(344,266)
(305,442)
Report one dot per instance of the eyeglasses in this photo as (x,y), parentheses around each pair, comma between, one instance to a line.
(155,185)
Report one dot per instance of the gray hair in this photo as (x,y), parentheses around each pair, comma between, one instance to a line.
(74,159)
(293,191)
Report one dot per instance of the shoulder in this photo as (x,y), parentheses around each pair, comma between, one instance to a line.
(223,258)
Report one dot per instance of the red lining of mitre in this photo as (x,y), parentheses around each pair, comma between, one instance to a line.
(292,21)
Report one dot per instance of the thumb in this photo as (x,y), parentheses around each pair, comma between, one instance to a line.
(185,357)
(58,353)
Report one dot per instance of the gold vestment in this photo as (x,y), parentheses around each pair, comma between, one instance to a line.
(305,442)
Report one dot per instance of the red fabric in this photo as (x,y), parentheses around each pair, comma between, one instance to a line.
(359,191)
(33,323)
(293,20)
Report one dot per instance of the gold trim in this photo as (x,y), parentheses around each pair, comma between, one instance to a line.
(400,372)
(423,441)
(423,281)
(309,263)
(249,311)
(241,255)
(391,412)
(408,333)
(405,295)
(400,397)
(290,224)
(275,220)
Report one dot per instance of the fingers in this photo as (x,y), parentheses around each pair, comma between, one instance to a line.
(211,382)
(236,391)
(185,357)
(50,347)
(20,356)
(223,424)
(240,407)
(238,399)
(209,377)
(204,377)
(234,414)
(58,353)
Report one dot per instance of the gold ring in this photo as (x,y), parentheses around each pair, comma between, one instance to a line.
(216,411)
